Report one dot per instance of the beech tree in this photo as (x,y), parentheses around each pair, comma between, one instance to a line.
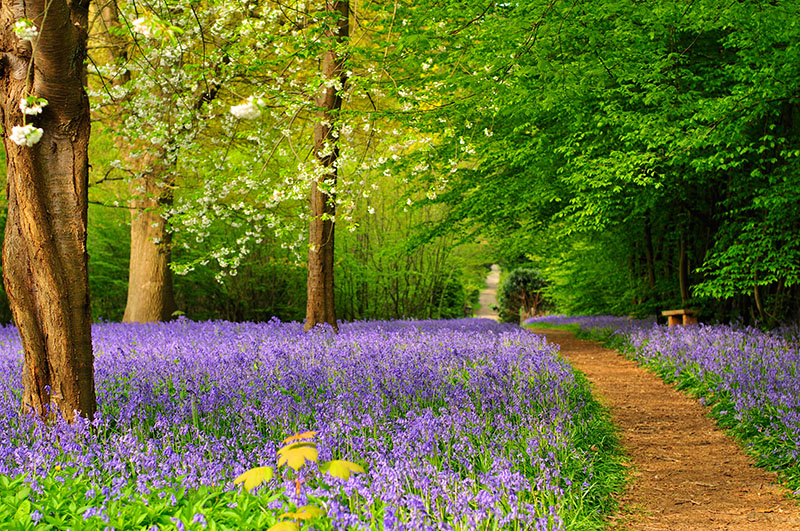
(45,116)
(146,96)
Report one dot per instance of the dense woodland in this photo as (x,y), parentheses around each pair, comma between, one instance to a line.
(324,162)
(639,155)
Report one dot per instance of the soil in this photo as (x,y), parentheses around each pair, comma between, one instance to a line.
(685,472)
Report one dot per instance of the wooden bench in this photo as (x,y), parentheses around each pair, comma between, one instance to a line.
(680,317)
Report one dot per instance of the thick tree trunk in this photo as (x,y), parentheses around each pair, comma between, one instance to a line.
(150,293)
(44,255)
(321,306)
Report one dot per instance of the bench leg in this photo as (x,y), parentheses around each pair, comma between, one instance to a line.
(689,320)
(674,320)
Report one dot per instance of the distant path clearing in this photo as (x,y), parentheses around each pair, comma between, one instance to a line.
(488,297)
(686,473)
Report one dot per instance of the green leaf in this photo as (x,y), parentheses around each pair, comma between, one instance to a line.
(255,477)
(22,494)
(341,469)
(23,513)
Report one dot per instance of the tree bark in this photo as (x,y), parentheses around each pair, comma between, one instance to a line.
(321,304)
(45,262)
(150,293)
(116,43)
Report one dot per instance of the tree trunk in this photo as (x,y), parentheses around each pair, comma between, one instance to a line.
(45,263)
(114,39)
(321,304)
(150,293)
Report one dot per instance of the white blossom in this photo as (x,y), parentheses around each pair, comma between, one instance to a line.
(25,135)
(249,110)
(143,26)
(32,106)
(26,30)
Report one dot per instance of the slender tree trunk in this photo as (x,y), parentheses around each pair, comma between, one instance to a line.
(150,293)
(45,263)
(114,39)
(321,307)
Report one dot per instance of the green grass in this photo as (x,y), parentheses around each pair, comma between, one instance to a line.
(543,327)
(598,438)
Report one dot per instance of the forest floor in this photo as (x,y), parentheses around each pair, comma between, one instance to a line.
(686,473)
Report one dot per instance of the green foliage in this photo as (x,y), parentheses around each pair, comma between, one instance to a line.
(108,242)
(267,284)
(383,274)
(68,499)
(664,135)
(71,500)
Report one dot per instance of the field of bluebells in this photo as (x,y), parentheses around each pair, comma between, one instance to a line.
(465,424)
(750,378)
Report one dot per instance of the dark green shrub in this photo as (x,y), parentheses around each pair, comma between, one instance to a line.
(521,291)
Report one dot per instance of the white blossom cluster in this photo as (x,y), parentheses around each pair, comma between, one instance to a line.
(144,27)
(25,135)
(249,110)
(26,30)
(32,106)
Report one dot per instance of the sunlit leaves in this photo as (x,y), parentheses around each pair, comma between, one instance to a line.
(295,455)
(286,525)
(298,449)
(341,469)
(255,477)
(299,437)
(305,513)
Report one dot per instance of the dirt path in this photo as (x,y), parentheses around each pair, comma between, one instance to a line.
(686,473)
(488,297)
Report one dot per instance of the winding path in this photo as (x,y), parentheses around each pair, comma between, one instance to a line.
(488,296)
(686,473)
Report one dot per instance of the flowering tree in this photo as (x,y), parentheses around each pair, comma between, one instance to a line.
(288,141)
(151,90)
(321,302)
(235,118)
(45,114)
